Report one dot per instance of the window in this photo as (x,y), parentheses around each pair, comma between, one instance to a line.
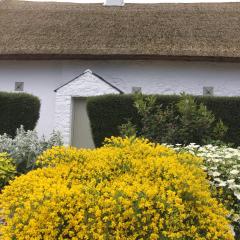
(207,91)
(19,86)
(136,89)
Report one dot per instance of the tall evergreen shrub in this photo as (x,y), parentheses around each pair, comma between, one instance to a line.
(18,109)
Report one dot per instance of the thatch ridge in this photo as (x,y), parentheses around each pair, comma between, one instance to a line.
(210,30)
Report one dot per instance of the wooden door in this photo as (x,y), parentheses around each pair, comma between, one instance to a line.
(81,130)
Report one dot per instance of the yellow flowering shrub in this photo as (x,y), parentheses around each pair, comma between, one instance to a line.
(7,169)
(127,189)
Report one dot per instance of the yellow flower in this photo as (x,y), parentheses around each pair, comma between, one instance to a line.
(128,189)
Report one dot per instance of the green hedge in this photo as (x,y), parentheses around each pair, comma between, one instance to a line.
(107,112)
(18,109)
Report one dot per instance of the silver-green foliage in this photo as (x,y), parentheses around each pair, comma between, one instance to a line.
(26,146)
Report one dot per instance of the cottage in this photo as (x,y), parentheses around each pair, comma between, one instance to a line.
(66,52)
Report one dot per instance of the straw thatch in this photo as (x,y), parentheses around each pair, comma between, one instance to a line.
(64,30)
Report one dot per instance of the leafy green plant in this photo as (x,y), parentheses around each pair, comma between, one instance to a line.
(128,129)
(7,169)
(183,122)
(197,123)
(158,124)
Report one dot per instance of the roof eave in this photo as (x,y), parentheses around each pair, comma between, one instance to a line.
(116,57)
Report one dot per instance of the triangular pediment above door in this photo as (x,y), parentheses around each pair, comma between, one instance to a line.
(87,84)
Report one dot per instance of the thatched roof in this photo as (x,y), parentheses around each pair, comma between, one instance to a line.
(64,30)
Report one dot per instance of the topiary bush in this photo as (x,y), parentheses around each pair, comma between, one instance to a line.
(107,113)
(18,109)
(128,189)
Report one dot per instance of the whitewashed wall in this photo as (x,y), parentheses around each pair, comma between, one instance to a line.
(164,77)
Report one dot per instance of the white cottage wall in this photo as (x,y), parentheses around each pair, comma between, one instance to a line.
(165,77)
(40,78)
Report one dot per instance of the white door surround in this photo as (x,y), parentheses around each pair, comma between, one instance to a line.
(85,85)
